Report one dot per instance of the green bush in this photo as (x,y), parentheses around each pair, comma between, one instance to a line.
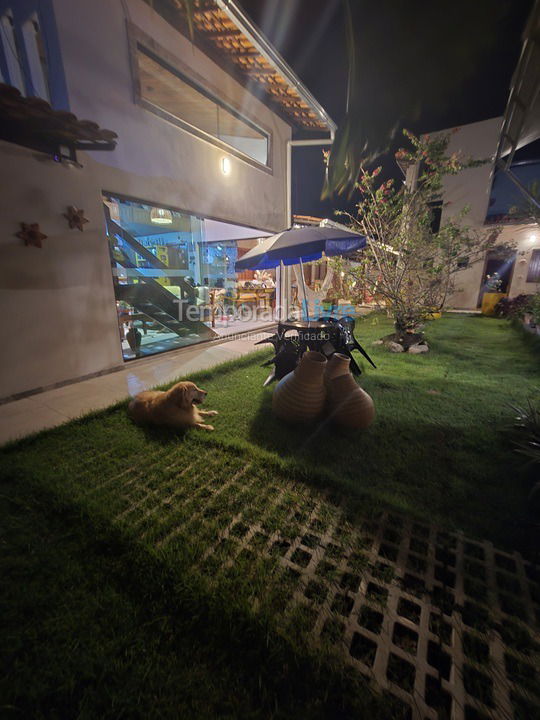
(513,307)
(534,307)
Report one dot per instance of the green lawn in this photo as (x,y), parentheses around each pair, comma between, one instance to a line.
(133,585)
(440,446)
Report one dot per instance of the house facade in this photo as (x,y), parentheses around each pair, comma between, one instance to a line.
(493,204)
(197,174)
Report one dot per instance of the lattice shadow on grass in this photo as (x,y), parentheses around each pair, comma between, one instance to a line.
(443,623)
(446,626)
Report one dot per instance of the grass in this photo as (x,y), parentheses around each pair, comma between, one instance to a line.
(440,446)
(129,589)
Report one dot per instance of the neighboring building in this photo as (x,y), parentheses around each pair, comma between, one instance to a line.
(518,269)
(501,193)
(197,173)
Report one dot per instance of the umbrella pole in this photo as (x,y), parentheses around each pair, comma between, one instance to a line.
(280,293)
(304,289)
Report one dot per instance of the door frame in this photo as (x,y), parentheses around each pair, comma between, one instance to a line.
(484,268)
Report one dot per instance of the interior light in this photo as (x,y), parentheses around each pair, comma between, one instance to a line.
(160,216)
(225,166)
(114,209)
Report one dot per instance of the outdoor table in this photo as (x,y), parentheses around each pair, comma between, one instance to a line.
(326,335)
(312,334)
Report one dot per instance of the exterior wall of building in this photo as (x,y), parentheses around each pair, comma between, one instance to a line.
(467,287)
(472,188)
(525,239)
(58,301)
(154,159)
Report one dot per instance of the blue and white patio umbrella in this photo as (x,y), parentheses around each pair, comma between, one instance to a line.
(300,245)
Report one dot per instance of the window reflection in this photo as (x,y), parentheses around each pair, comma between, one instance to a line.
(174,278)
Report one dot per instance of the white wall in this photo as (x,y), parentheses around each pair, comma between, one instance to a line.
(524,239)
(467,286)
(155,160)
(471,187)
(57,303)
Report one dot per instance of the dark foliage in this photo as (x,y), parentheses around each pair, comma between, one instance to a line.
(513,307)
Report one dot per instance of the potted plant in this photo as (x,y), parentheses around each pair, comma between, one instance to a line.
(492,293)
(329,303)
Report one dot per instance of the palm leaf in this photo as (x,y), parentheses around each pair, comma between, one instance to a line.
(401,58)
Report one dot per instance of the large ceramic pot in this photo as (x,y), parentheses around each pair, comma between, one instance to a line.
(336,366)
(348,405)
(300,396)
(134,337)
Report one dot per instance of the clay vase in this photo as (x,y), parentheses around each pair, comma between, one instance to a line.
(300,396)
(133,336)
(348,405)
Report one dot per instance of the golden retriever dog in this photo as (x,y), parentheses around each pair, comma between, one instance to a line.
(174,407)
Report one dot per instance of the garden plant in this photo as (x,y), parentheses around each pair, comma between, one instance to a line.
(410,265)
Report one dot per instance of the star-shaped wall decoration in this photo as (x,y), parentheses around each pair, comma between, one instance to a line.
(75,217)
(31,234)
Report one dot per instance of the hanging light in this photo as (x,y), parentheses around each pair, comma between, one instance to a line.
(159,216)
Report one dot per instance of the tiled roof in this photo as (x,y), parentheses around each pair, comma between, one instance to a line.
(32,122)
(221,26)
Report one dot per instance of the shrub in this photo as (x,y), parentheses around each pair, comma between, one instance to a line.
(408,262)
(514,307)
(534,308)
(527,421)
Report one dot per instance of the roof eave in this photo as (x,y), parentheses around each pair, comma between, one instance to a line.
(521,123)
(272,56)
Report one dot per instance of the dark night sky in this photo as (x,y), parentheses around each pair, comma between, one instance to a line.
(310,36)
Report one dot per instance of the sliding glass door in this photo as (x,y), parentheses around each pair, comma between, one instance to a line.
(174,278)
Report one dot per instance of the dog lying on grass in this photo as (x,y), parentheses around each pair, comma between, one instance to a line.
(175,407)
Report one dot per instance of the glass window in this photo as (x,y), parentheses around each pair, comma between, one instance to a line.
(181,98)
(37,57)
(533,275)
(507,204)
(174,278)
(12,52)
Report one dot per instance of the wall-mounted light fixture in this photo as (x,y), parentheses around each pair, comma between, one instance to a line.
(160,216)
(225,166)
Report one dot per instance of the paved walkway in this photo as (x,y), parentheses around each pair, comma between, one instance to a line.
(54,407)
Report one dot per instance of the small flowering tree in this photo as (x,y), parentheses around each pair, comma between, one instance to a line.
(409,265)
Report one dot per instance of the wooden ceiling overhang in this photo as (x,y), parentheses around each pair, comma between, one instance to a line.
(222,31)
(33,123)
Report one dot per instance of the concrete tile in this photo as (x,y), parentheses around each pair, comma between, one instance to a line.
(71,401)
(14,427)
(75,407)
(19,407)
